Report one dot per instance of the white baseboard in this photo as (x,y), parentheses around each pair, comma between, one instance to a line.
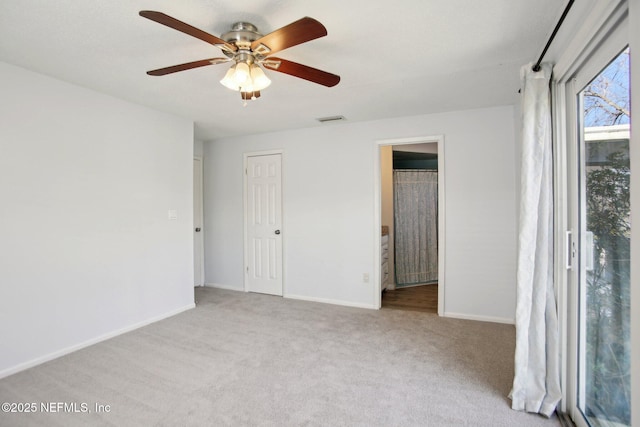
(331,301)
(479,318)
(221,286)
(40,360)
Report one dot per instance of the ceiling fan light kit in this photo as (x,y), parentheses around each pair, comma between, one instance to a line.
(249,49)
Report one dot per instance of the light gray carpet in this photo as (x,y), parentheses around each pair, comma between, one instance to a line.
(246,359)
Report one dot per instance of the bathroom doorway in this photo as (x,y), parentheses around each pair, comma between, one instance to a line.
(411,224)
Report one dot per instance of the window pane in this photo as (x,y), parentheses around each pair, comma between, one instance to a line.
(606,378)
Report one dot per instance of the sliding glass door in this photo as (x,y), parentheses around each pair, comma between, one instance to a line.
(602,233)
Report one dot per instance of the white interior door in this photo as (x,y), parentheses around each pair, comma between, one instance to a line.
(198,239)
(264,224)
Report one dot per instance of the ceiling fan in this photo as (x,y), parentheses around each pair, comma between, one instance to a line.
(249,50)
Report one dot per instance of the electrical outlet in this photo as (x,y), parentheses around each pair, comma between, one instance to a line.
(365,277)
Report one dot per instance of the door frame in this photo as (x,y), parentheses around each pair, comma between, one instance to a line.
(245,195)
(602,32)
(201,197)
(377,217)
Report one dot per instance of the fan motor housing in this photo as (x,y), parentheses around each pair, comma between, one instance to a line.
(242,34)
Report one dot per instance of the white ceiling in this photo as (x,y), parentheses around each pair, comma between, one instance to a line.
(395,58)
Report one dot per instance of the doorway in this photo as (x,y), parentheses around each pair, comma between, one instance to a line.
(593,210)
(410,226)
(601,220)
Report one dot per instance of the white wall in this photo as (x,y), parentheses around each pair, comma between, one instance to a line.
(86,249)
(329,208)
(198,148)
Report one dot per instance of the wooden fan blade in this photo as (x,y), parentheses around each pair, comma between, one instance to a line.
(303,30)
(170,22)
(187,66)
(302,71)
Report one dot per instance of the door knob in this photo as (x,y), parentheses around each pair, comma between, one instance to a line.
(277,231)
(198,230)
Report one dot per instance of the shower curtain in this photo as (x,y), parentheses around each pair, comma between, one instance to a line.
(416,226)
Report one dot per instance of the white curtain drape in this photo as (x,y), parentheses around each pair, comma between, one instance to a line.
(536,384)
(416,226)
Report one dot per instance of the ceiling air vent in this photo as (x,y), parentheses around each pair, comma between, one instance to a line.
(331,119)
